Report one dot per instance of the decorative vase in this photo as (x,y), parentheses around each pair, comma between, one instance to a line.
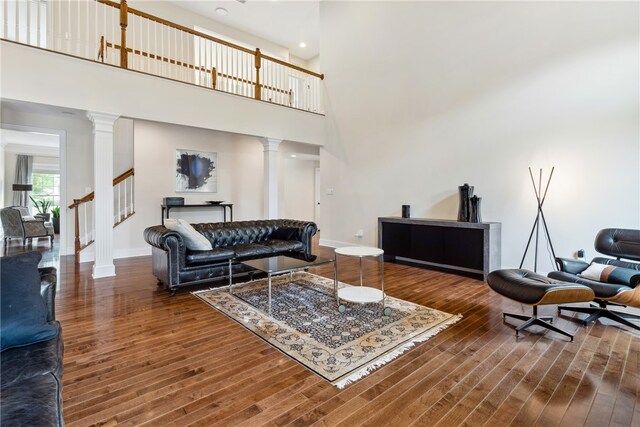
(406,211)
(474,209)
(465,191)
(56,224)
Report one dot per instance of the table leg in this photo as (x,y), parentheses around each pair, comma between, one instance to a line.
(335,278)
(231,213)
(230,279)
(224,214)
(360,271)
(269,278)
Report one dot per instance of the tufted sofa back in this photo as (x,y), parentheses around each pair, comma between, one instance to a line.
(226,234)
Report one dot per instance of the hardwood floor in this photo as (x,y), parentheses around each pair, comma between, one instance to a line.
(136,356)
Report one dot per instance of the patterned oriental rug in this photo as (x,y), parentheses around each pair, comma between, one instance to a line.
(305,324)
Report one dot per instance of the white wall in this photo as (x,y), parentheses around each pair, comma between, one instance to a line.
(189,19)
(240,168)
(122,146)
(437,94)
(79,155)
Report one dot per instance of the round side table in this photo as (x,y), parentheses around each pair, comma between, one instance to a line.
(361,294)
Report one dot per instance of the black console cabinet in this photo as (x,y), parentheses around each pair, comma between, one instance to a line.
(471,248)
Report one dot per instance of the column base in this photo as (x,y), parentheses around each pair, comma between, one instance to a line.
(100,271)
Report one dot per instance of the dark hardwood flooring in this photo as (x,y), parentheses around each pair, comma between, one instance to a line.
(136,356)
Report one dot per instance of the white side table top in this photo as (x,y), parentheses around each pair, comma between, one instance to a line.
(359,251)
(360,294)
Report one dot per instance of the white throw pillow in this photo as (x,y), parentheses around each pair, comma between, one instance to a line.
(28,218)
(597,272)
(192,239)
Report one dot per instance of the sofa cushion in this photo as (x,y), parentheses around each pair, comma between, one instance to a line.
(192,239)
(251,250)
(213,256)
(36,401)
(283,233)
(284,245)
(43,358)
(609,274)
(23,313)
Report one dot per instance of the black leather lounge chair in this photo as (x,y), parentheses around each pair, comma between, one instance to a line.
(623,288)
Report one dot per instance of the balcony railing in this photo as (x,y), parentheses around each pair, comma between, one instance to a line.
(113,33)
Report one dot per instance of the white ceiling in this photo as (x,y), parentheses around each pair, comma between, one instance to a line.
(286,23)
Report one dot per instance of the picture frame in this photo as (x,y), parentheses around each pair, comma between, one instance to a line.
(196,171)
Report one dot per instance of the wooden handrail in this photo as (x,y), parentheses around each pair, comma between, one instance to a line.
(149,55)
(206,36)
(89,197)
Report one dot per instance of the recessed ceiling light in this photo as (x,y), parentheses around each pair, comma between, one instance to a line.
(222,11)
(294,156)
(303,44)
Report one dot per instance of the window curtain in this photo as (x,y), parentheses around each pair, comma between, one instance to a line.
(24,169)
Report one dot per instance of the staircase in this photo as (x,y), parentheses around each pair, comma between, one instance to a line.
(123,207)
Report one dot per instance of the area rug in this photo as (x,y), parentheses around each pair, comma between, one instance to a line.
(305,324)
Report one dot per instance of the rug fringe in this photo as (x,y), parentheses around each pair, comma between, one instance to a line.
(395,353)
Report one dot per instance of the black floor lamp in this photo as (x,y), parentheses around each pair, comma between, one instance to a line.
(540,197)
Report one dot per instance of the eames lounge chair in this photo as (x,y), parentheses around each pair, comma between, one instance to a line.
(614,281)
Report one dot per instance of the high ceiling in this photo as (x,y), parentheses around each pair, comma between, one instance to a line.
(287,23)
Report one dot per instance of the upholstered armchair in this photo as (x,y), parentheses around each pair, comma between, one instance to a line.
(16,224)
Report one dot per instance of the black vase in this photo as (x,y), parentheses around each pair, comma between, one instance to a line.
(406,211)
(465,191)
(474,209)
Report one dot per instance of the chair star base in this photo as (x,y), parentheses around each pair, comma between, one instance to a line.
(535,320)
(602,311)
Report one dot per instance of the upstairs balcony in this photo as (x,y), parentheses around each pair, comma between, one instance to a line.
(125,44)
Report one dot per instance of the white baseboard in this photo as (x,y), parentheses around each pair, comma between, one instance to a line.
(90,256)
(132,252)
(335,243)
(103,271)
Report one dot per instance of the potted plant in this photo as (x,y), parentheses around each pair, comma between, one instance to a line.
(55,213)
(42,207)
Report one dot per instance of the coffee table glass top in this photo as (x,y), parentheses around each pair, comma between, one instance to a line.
(284,264)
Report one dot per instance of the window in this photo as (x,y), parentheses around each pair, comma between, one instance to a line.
(46,186)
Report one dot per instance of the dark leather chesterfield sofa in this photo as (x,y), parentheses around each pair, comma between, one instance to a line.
(31,375)
(175,266)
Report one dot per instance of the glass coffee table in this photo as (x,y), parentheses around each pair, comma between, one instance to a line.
(276,265)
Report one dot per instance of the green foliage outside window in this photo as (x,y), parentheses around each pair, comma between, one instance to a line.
(46,188)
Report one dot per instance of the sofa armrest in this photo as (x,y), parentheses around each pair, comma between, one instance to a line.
(48,284)
(306,231)
(169,241)
(572,266)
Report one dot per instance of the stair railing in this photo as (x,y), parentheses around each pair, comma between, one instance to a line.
(135,40)
(124,208)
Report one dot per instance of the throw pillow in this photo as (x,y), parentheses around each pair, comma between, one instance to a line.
(26,218)
(23,312)
(609,274)
(283,233)
(192,239)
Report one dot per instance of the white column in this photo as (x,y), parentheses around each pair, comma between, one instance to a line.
(103,189)
(270,177)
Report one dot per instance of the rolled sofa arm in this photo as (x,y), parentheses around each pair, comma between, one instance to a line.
(306,231)
(572,266)
(48,283)
(157,236)
(172,244)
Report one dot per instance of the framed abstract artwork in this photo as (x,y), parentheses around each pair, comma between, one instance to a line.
(196,171)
